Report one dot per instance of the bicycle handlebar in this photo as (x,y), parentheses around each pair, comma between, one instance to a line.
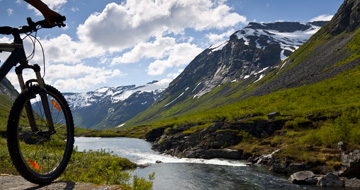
(31,27)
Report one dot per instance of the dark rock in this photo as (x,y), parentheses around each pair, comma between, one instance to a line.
(350,164)
(158,161)
(155,133)
(223,153)
(272,115)
(346,19)
(251,159)
(304,178)
(194,153)
(217,136)
(341,146)
(310,116)
(266,159)
(354,182)
(246,156)
(296,167)
(279,168)
(330,180)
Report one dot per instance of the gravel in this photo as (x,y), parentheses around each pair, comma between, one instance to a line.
(9,182)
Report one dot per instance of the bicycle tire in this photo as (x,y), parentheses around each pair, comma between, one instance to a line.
(37,157)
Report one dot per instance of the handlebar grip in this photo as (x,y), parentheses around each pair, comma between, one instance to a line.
(6,30)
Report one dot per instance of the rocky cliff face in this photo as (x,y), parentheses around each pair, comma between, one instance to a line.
(7,89)
(333,50)
(346,19)
(247,54)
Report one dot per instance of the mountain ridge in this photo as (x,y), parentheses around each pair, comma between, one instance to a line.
(244,59)
(109,107)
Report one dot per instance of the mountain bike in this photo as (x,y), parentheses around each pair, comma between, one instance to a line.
(40,129)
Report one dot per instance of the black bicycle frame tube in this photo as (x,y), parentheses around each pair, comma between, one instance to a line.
(17,56)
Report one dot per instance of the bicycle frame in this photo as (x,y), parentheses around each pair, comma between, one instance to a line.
(18,56)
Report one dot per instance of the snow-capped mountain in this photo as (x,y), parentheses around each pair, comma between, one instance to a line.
(109,107)
(249,54)
(233,65)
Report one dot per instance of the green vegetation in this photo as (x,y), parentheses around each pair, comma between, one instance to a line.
(317,117)
(352,48)
(99,167)
(103,168)
(324,99)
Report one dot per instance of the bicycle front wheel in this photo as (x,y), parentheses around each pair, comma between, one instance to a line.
(38,155)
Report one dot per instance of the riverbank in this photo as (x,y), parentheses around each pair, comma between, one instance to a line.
(287,144)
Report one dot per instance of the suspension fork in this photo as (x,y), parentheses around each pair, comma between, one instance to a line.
(43,98)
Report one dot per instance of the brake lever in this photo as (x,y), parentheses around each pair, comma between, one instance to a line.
(32,25)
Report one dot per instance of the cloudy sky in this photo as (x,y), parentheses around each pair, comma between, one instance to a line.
(113,43)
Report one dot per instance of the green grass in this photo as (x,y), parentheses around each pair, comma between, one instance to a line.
(101,167)
(97,167)
(327,98)
(352,48)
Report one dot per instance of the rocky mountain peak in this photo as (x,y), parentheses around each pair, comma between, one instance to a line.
(347,18)
(284,26)
(248,54)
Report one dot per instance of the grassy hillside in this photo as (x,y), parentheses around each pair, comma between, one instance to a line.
(325,56)
(328,98)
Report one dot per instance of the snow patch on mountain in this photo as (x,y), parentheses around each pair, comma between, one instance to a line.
(114,94)
(218,46)
(288,40)
(186,89)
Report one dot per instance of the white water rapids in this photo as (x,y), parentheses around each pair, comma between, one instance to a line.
(185,173)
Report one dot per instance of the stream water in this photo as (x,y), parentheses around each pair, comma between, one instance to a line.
(193,174)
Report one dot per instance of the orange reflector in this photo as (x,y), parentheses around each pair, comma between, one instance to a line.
(55,105)
(34,164)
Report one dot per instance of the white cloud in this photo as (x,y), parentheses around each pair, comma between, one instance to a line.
(157,49)
(132,31)
(125,25)
(10,11)
(62,49)
(174,75)
(180,55)
(79,76)
(74,9)
(322,18)
(52,4)
(69,77)
(214,38)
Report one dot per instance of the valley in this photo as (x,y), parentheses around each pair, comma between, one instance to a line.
(283,95)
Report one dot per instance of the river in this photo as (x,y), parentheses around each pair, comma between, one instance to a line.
(193,174)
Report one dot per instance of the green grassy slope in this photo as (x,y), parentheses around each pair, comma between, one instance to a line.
(324,56)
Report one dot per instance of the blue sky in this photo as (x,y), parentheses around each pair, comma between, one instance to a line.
(113,43)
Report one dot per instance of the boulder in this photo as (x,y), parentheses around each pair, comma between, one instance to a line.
(304,178)
(155,133)
(350,164)
(354,183)
(279,168)
(330,180)
(223,153)
(296,167)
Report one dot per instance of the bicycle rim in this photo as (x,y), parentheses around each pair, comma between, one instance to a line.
(38,156)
